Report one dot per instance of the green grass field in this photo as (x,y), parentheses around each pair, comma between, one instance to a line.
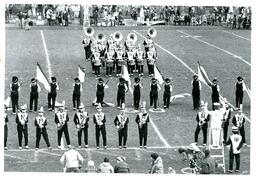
(177,125)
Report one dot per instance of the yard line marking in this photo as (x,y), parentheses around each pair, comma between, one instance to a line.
(89,155)
(138,155)
(15,157)
(112,154)
(49,153)
(46,54)
(212,45)
(236,35)
(180,59)
(176,57)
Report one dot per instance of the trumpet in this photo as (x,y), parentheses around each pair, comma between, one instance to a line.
(89,31)
(117,36)
(152,32)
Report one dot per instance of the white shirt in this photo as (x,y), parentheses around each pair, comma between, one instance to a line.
(71,158)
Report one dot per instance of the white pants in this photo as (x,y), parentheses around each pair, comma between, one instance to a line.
(216,136)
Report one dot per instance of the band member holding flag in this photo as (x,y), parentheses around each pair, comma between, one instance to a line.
(81,119)
(154,88)
(78,88)
(61,120)
(99,119)
(22,126)
(121,90)
(142,119)
(54,86)
(239,121)
(34,92)
(196,88)
(240,87)
(40,123)
(202,119)
(137,87)
(121,122)
(167,93)
(15,89)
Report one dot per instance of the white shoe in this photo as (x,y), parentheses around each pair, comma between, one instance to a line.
(6,148)
(36,149)
(105,147)
(27,147)
(59,147)
(20,148)
(86,146)
(79,147)
(50,148)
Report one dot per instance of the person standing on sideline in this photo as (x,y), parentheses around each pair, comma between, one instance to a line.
(15,89)
(240,87)
(239,121)
(202,119)
(6,120)
(52,94)
(236,143)
(78,88)
(121,90)
(137,87)
(196,88)
(157,166)
(61,119)
(167,93)
(40,123)
(142,120)
(81,120)
(121,122)
(121,166)
(106,167)
(22,126)
(154,88)
(99,119)
(72,161)
(34,93)
(215,92)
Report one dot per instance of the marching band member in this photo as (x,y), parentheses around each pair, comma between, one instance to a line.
(142,120)
(130,61)
(121,122)
(225,122)
(236,143)
(6,120)
(121,90)
(215,92)
(22,126)
(239,121)
(81,119)
(151,58)
(119,57)
(102,50)
(52,94)
(61,120)
(78,88)
(99,120)
(240,87)
(167,93)
(196,88)
(87,42)
(202,119)
(137,86)
(140,60)
(147,43)
(15,89)
(34,92)
(100,91)
(154,88)
(109,61)
(40,123)
(96,62)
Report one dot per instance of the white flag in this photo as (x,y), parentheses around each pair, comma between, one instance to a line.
(81,74)
(126,77)
(41,77)
(158,75)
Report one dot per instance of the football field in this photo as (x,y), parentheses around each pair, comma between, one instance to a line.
(223,53)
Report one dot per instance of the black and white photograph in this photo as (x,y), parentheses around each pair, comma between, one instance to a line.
(123,88)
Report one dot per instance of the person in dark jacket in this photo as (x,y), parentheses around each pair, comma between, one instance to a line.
(15,89)
(5,130)
(121,166)
(196,88)
(154,88)
(240,87)
(121,90)
(167,93)
(78,88)
(22,126)
(52,94)
(137,87)
(34,93)
(215,92)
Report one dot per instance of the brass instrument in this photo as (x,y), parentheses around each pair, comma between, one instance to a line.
(82,122)
(202,119)
(99,119)
(132,37)
(62,121)
(117,36)
(100,37)
(152,32)
(89,31)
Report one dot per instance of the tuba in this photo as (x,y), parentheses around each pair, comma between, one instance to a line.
(89,31)
(100,37)
(152,32)
(117,36)
(132,37)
